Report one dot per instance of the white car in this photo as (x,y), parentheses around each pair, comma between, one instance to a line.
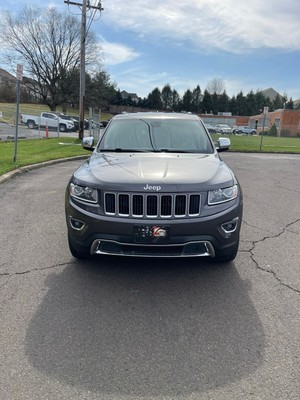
(223,128)
(245,129)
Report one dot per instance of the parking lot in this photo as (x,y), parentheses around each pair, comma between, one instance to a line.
(8,131)
(122,328)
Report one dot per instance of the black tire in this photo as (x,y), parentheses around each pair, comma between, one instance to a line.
(225,258)
(81,254)
(31,124)
(62,128)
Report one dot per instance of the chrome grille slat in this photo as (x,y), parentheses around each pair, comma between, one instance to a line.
(152,205)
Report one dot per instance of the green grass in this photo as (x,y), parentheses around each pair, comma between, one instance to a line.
(38,150)
(248,143)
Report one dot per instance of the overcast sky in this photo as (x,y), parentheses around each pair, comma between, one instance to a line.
(250,45)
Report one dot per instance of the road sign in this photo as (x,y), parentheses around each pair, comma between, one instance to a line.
(19,72)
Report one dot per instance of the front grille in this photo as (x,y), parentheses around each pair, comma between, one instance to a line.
(152,205)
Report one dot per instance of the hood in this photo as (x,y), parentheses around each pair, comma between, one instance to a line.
(117,170)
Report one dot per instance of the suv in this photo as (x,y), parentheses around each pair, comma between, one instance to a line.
(245,129)
(223,128)
(154,186)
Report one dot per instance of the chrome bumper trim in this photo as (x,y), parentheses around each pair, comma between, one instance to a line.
(189,249)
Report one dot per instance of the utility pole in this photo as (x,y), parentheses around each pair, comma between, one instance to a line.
(84,6)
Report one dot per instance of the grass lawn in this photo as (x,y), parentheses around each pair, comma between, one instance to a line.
(34,151)
(249,143)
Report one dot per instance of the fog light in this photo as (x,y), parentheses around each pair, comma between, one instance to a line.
(230,226)
(76,224)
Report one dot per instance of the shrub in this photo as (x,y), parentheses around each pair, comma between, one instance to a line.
(273,131)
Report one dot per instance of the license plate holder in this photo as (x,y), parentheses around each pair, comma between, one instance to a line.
(154,234)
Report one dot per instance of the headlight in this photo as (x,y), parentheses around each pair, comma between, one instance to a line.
(84,193)
(222,195)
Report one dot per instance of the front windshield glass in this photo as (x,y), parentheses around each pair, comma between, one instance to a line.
(156,135)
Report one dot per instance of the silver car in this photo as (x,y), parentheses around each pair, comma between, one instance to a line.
(154,186)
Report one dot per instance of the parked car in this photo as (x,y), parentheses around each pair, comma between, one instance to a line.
(223,128)
(48,119)
(245,129)
(154,186)
(85,122)
(210,128)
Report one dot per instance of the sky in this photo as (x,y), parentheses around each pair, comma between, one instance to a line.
(249,45)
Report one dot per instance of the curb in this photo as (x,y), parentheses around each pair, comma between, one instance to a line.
(22,170)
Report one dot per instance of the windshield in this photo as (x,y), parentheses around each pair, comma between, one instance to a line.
(160,135)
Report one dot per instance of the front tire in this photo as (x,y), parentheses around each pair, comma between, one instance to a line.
(62,128)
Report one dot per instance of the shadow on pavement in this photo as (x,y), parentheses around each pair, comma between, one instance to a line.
(143,327)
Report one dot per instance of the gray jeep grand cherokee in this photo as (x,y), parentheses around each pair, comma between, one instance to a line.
(154,186)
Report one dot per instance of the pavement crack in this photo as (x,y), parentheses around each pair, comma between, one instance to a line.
(269,270)
(29,271)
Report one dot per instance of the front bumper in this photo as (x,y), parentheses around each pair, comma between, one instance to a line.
(192,237)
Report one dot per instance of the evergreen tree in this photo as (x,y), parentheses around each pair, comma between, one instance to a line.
(166,97)
(241,104)
(233,105)
(290,104)
(215,103)
(206,102)
(196,100)
(278,102)
(187,100)
(250,104)
(154,99)
(223,102)
(175,101)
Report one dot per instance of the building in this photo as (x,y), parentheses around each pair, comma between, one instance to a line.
(133,96)
(270,93)
(224,118)
(286,121)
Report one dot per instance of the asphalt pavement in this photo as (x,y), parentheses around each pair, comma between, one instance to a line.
(121,328)
(8,132)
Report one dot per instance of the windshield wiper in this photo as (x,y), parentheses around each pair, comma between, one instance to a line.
(120,150)
(176,151)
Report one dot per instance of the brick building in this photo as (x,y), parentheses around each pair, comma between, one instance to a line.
(286,121)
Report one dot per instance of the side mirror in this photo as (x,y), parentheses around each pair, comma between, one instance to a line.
(88,143)
(223,144)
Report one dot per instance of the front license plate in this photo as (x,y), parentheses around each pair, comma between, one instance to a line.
(155,234)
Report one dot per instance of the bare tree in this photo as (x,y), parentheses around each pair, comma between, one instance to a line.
(216,85)
(47,44)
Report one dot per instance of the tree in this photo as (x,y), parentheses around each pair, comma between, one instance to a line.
(154,99)
(223,103)
(216,85)
(278,102)
(47,44)
(206,102)
(250,104)
(241,104)
(100,91)
(175,100)
(166,97)
(290,104)
(196,99)
(187,100)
